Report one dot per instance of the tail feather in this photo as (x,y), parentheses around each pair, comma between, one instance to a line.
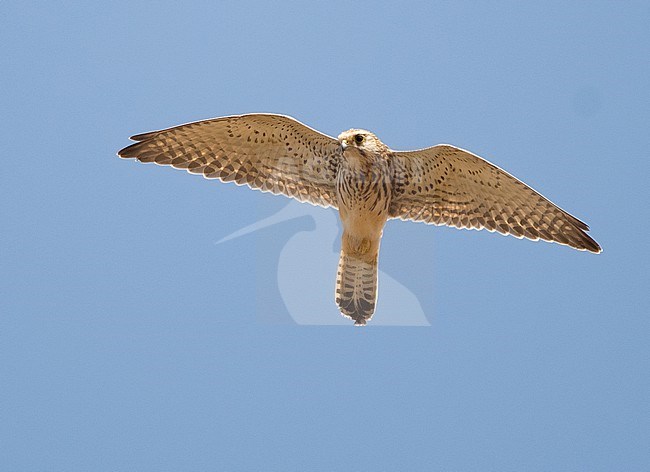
(356,287)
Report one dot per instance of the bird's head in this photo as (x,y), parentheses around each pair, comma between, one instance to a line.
(360,141)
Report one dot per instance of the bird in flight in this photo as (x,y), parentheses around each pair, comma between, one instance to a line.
(366,181)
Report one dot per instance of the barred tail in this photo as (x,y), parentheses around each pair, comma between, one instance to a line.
(356,286)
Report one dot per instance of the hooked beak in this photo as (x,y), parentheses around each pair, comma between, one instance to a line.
(344,144)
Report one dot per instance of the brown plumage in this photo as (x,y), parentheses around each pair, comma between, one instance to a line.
(366,181)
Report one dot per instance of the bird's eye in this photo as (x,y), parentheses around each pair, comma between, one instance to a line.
(358,138)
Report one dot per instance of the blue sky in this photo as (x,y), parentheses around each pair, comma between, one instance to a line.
(129,340)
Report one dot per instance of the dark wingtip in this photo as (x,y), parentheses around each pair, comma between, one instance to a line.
(134,150)
(595,248)
(589,244)
(129,152)
(143,136)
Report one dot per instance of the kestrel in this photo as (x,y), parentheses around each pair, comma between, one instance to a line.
(366,181)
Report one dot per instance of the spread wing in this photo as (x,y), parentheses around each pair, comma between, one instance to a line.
(271,153)
(445,185)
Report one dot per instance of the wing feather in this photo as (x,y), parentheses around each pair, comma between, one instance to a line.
(446,185)
(271,153)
